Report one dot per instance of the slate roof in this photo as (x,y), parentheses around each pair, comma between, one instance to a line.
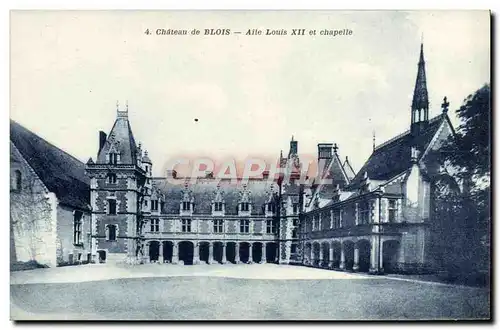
(394,156)
(122,139)
(60,172)
(204,191)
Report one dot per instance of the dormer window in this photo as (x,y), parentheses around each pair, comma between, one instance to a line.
(154,205)
(245,206)
(186,206)
(112,178)
(218,206)
(113,158)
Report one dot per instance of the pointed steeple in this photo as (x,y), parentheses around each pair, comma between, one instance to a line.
(420,102)
(120,141)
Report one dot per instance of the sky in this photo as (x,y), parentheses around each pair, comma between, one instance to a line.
(250,94)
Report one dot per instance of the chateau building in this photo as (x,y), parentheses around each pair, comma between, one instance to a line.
(381,220)
(376,220)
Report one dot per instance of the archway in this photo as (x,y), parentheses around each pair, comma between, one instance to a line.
(168,250)
(316,251)
(348,247)
(204,251)
(325,246)
(336,254)
(231,252)
(186,251)
(364,255)
(257,252)
(244,252)
(390,253)
(154,251)
(271,253)
(218,251)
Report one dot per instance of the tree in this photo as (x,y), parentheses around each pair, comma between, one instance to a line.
(469,154)
(470,147)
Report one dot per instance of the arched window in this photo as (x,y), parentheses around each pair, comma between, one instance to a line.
(111,232)
(17,180)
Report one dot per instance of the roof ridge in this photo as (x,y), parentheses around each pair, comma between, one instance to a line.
(48,142)
(431,121)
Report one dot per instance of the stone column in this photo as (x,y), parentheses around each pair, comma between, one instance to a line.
(175,253)
(355,267)
(376,262)
(342,257)
(263,254)
(210,253)
(237,253)
(320,262)
(330,259)
(160,253)
(224,261)
(146,252)
(311,255)
(250,253)
(196,253)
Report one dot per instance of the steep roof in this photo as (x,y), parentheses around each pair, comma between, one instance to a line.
(349,171)
(121,140)
(394,156)
(204,190)
(60,172)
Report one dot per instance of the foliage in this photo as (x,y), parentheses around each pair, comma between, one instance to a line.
(462,218)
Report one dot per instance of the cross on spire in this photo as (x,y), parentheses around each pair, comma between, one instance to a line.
(445,105)
(335,148)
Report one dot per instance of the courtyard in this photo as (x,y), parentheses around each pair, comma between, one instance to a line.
(234,292)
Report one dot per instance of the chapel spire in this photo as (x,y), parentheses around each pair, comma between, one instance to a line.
(420,103)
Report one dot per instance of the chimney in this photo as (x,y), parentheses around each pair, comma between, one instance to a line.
(102,140)
(324,155)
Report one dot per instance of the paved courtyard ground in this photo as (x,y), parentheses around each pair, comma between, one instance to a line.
(234,292)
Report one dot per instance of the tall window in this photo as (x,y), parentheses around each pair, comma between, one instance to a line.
(294,248)
(17,180)
(295,222)
(218,206)
(155,225)
(111,178)
(245,206)
(113,158)
(218,226)
(111,206)
(270,226)
(77,228)
(364,212)
(336,219)
(392,210)
(186,225)
(186,206)
(295,208)
(244,226)
(294,233)
(154,205)
(111,232)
